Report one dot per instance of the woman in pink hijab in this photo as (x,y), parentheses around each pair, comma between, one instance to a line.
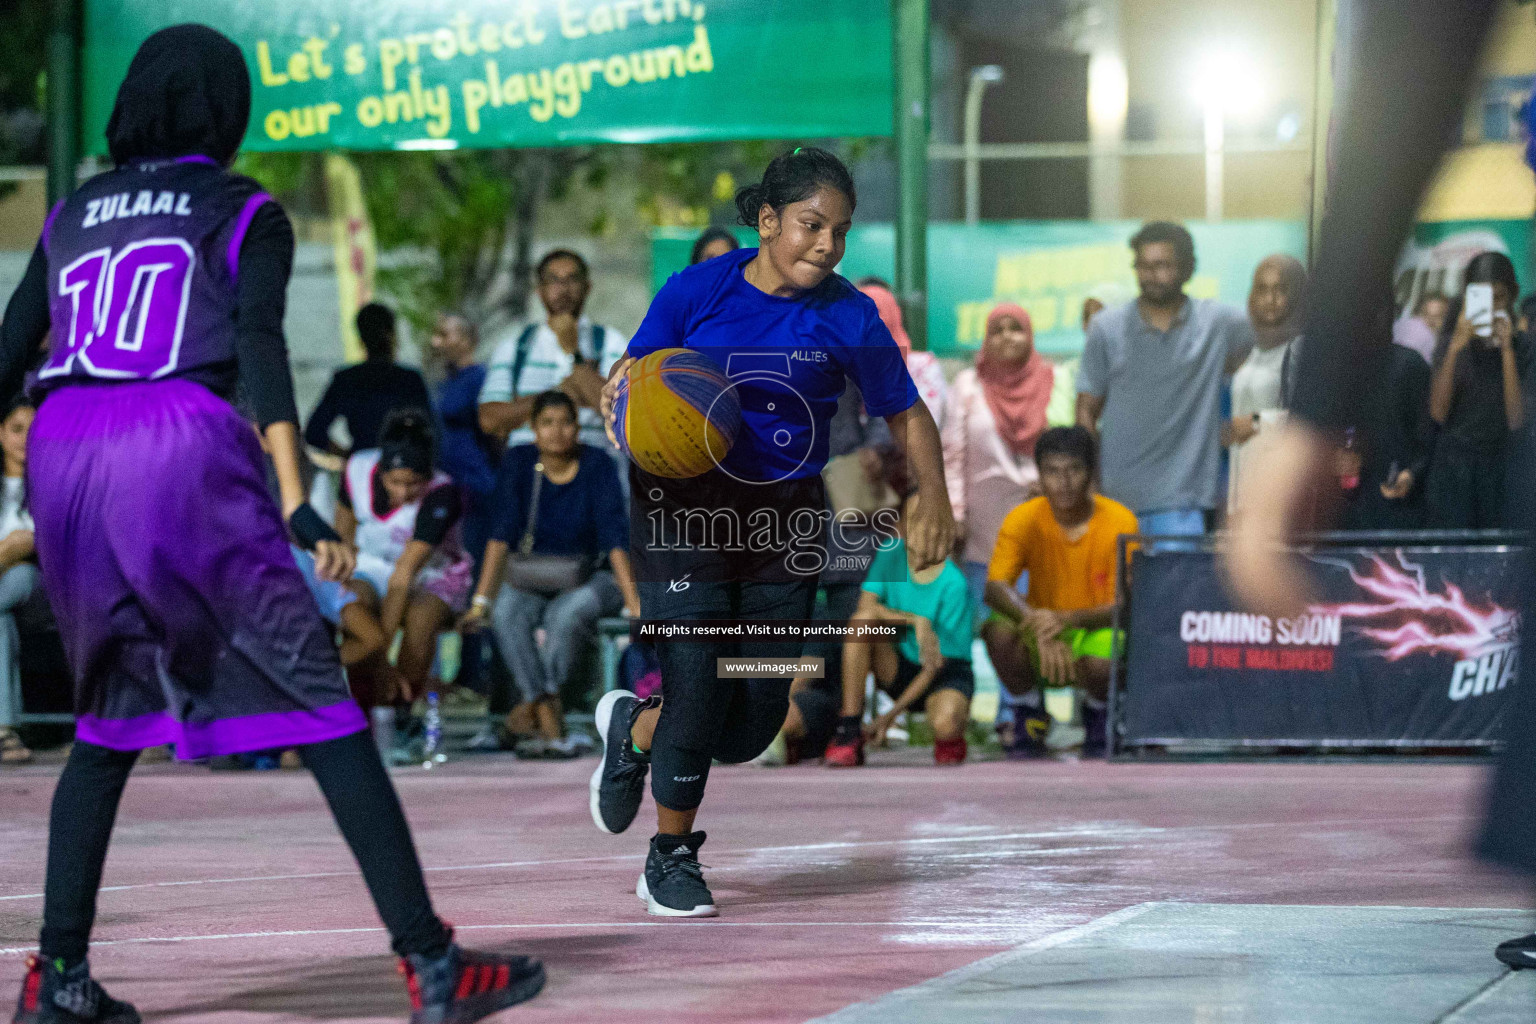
(924,367)
(996,414)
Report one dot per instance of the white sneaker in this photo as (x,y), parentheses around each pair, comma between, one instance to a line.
(486,740)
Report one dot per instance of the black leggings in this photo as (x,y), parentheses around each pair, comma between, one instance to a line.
(703,717)
(355,784)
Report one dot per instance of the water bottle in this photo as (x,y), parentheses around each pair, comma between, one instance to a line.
(432,748)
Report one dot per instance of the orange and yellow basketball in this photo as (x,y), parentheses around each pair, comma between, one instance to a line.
(676,414)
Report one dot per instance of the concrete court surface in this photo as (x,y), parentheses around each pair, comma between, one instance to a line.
(900,893)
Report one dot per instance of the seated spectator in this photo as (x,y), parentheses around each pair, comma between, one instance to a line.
(362,396)
(1059,633)
(996,413)
(929,668)
(1274,308)
(559,501)
(403,516)
(360,634)
(1476,397)
(715,241)
(21,593)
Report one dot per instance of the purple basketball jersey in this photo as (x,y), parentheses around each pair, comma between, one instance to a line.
(141,272)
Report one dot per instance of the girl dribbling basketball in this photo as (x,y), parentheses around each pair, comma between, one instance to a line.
(744,541)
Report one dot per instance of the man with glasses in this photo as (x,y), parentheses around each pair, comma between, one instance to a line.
(1151,381)
(565,351)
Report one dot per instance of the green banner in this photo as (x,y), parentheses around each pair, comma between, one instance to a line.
(1048,267)
(1435,261)
(428,74)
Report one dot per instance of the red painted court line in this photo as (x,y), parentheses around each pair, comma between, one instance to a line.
(835,887)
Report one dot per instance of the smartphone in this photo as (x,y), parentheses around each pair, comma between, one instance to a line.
(1479,309)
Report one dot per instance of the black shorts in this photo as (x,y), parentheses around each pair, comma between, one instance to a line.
(954,674)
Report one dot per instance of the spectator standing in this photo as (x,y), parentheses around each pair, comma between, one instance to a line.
(924,367)
(362,396)
(20,593)
(1476,398)
(1274,309)
(1420,331)
(996,414)
(1153,369)
(715,241)
(559,501)
(1059,633)
(565,351)
(465,453)
(1392,449)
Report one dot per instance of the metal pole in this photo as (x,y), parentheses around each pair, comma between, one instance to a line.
(980,78)
(1215,140)
(971,139)
(63,84)
(909,64)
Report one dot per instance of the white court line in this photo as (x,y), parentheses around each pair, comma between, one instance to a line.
(1124,830)
(895,926)
(889,1003)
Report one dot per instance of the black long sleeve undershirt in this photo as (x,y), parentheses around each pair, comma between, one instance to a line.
(261,350)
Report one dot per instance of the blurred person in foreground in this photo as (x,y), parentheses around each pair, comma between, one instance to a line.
(1150,387)
(1058,633)
(1395,119)
(1274,308)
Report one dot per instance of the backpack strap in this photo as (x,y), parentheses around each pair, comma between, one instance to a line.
(520,355)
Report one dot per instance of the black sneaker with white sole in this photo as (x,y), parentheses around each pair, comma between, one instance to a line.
(618,782)
(1518,953)
(672,884)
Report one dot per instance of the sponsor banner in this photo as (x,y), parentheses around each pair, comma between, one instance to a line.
(421,74)
(1404,646)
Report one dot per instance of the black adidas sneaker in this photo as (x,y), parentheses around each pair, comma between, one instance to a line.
(618,782)
(463,986)
(672,884)
(52,995)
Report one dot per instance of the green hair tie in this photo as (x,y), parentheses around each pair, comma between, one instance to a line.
(797,151)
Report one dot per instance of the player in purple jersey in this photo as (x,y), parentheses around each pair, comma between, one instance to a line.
(166,560)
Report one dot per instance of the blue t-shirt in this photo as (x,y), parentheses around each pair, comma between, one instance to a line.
(584,516)
(789,359)
(462,450)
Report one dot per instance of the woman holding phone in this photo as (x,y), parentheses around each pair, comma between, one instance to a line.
(1476,398)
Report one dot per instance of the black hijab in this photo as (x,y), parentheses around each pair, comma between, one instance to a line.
(188,91)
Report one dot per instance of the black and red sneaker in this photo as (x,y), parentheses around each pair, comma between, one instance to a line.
(462,985)
(53,995)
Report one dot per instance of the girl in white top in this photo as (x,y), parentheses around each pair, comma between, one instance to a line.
(18,572)
(403,516)
(1257,408)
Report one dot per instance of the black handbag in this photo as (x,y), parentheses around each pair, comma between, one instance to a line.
(544,574)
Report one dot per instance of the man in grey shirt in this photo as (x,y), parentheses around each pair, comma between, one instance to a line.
(1153,370)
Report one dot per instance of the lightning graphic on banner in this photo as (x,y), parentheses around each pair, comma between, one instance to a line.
(1407,618)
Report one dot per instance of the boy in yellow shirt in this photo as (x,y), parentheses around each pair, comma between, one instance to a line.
(1058,633)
